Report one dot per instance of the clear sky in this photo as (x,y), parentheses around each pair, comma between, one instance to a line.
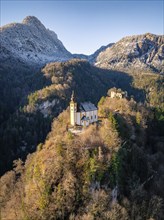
(84,26)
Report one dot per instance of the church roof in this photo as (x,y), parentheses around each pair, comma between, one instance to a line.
(87,106)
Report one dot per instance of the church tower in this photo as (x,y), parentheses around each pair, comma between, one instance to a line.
(73,110)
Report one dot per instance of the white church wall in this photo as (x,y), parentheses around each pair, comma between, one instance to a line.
(85,123)
(95,115)
(92,115)
(78,118)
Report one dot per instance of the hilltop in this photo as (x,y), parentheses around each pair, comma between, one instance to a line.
(101,174)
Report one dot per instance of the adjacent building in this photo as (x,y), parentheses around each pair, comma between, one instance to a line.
(118,93)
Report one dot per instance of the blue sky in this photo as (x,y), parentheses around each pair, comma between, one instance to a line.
(84,26)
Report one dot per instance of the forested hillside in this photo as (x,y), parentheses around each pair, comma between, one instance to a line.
(26,123)
(23,125)
(112,170)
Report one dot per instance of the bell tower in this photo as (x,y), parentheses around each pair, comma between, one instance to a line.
(73,110)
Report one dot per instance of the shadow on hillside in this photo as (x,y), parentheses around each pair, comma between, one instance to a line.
(121,80)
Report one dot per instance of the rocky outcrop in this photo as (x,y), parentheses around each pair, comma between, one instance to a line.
(137,53)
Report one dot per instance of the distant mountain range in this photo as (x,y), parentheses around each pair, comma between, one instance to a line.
(30,44)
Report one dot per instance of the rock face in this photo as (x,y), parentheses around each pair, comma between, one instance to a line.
(31,43)
(140,53)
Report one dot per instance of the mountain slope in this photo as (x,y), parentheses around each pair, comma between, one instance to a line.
(138,53)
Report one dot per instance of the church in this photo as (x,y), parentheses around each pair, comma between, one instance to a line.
(83,113)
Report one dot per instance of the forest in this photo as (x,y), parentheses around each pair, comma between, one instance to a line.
(112,170)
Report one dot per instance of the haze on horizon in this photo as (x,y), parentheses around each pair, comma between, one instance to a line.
(84,26)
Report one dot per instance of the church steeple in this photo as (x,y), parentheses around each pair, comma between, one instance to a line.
(73,96)
(73,109)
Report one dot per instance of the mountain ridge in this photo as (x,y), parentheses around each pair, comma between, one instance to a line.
(30,44)
(141,52)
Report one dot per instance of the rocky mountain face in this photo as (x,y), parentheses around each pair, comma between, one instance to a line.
(142,52)
(30,43)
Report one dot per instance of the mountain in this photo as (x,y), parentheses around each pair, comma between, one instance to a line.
(135,53)
(30,43)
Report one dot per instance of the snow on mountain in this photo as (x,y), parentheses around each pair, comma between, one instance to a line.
(141,52)
(31,43)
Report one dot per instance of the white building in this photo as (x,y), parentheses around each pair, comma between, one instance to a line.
(117,93)
(82,114)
